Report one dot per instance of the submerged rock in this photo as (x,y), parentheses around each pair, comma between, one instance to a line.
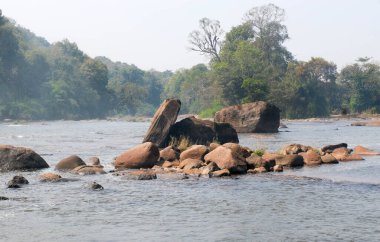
(145,155)
(20,158)
(17,181)
(96,187)
(88,170)
(3,198)
(256,117)
(50,177)
(69,163)
(137,175)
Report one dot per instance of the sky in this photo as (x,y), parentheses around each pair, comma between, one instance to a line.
(153,34)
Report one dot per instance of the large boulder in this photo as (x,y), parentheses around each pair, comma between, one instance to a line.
(163,119)
(225,158)
(290,160)
(69,163)
(194,152)
(145,155)
(256,117)
(19,158)
(203,132)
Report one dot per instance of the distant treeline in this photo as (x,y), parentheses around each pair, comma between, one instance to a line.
(39,80)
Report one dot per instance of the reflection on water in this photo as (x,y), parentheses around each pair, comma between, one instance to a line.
(326,203)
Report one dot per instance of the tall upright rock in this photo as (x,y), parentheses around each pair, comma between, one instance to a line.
(163,119)
(256,117)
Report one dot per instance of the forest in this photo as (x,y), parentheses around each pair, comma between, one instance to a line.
(49,81)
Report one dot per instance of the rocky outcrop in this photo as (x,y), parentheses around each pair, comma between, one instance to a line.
(69,163)
(163,119)
(256,117)
(203,132)
(19,158)
(225,158)
(145,155)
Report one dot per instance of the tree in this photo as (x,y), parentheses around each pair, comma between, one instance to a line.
(207,40)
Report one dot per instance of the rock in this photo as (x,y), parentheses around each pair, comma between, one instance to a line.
(294,149)
(69,163)
(3,198)
(220,173)
(372,123)
(19,158)
(340,153)
(311,158)
(168,164)
(290,160)
(194,152)
(50,177)
(257,170)
(271,156)
(256,117)
(193,171)
(145,155)
(255,161)
(238,149)
(96,187)
(360,150)
(331,148)
(329,159)
(163,119)
(170,153)
(278,168)
(93,161)
(209,169)
(225,158)
(138,175)
(213,146)
(88,170)
(203,132)
(190,164)
(17,181)
(352,157)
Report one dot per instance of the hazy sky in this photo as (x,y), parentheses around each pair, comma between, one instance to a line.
(153,33)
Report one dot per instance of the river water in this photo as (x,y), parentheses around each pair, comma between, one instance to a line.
(327,203)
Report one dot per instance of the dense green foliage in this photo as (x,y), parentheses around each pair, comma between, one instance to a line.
(253,64)
(39,80)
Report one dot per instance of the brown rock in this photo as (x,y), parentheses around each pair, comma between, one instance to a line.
(290,160)
(203,132)
(294,149)
(360,150)
(19,158)
(69,163)
(145,155)
(372,123)
(163,119)
(329,159)
(341,153)
(50,177)
(220,173)
(311,158)
(88,170)
(271,156)
(190,163)
(255,161)
(209,169)
(194,152)
(168,164)
(170,153)
(213,146)
(225,158)
(256,117)
(238,149)
(352,157)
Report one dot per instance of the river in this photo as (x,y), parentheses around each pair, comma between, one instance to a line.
(325,203)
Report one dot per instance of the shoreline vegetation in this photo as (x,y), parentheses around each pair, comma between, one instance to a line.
(248,63)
